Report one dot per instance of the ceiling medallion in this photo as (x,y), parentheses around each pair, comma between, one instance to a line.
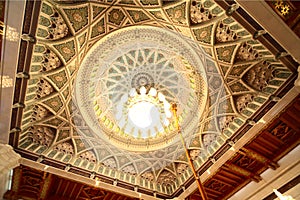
(129,78)
(142,79)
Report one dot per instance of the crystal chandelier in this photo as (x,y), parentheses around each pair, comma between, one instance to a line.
(143,112)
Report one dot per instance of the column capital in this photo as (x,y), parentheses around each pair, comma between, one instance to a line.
(9,158)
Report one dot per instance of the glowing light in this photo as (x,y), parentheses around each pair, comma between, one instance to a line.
(142,114)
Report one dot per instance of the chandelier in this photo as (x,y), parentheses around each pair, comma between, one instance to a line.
(143,113)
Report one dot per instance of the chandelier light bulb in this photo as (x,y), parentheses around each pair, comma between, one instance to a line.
(152,92)
(143,90)
(141,114)
(161,97)
(132,92)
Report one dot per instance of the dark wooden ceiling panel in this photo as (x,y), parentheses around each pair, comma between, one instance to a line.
(275,141)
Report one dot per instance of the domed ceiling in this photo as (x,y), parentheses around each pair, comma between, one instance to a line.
(90,55)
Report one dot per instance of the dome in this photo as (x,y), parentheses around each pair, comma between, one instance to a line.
(119,66)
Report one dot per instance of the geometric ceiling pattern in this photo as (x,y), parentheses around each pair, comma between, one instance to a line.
(241,76)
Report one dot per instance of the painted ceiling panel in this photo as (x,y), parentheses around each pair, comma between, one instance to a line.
(239,74)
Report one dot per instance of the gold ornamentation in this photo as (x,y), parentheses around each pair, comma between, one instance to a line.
(77,17)
(282,7)
(285,9)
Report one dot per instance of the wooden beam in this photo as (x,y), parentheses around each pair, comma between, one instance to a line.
(258,157)
(244,172)
(47,179)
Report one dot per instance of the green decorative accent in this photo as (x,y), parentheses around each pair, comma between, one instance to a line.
(44,21)
(210,125)
(41,150)
(31,89)
(35,68)
(55,103)
(63,134)
(243,33)
(276,82)
(246,112)
(208,4)
(259,100)
(253,106)
(25,115)
(47,9)
(215,145)
(78,17)
(228,20)
(177,13)
(30,97)
(204,34)
(225,107)
(54,122)
(269,90)
(101,168)
(52,153)
(116,16)
(67,158)
(238,70)
(59,156)
(210,150)
(82,40)
(39,49)
(265,53)
(77,162)
(220,140)
(138,16)
(37,59)
(253,42)
(98,28)
(259,48)
(59,79)
(84,164)
(217,10)
(150,2)
(233,127)
(67,50)
(282,74)
(225,53)
(33,147)
(238,121)
(224,69)
(80,145)
(91,166)
(227,133)
(129,2)
(235,27)
(238,87)
(66,93)
(97,10)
